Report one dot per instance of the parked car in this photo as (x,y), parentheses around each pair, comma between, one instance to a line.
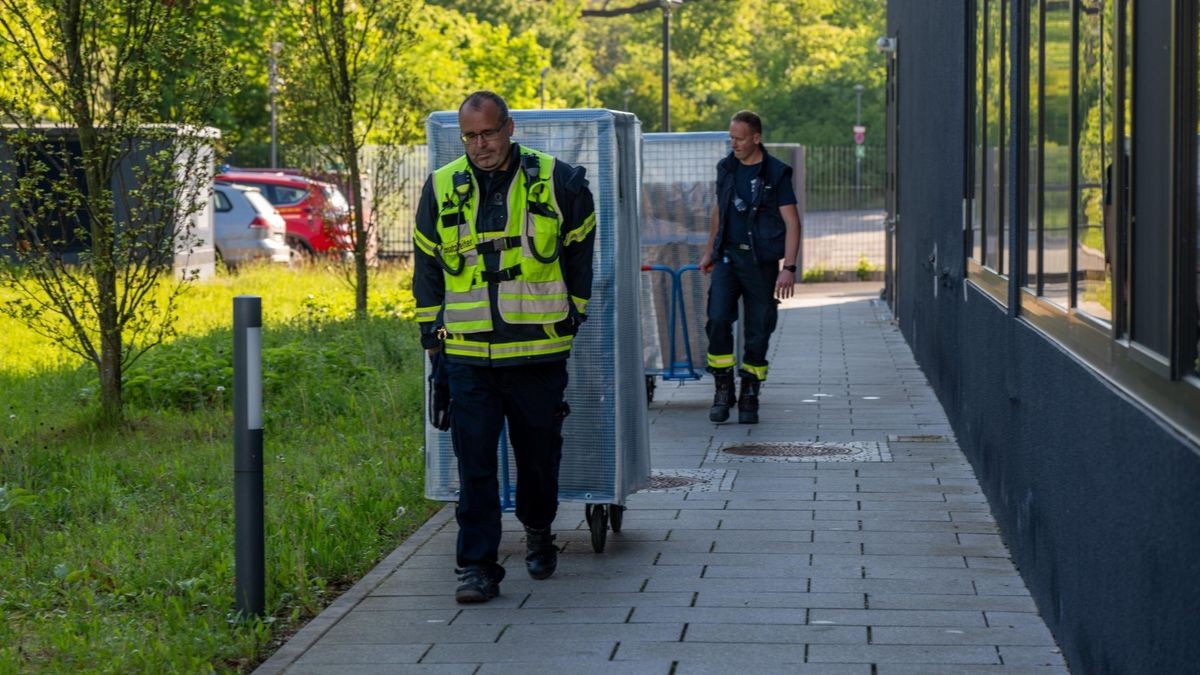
(316,212)
(246,227)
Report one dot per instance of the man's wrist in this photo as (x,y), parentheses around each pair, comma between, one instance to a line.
(791,268)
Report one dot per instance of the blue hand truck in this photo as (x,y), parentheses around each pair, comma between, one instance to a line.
(674,369)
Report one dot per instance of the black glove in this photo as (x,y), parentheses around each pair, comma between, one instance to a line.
(439,393)
(570,325)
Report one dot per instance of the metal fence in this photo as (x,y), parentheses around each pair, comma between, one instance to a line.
(843,201)
(398,174)
(844,214)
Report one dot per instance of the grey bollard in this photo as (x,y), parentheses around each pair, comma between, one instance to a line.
(249,559)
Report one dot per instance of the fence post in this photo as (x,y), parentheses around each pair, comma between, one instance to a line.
(249,560)
(799,157)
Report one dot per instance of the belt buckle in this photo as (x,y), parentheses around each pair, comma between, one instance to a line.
(743,247)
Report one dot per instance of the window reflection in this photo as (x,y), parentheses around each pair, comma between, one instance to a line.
(1033,210)
(994,55)
(1094,213)
(1056,154)
(978,197)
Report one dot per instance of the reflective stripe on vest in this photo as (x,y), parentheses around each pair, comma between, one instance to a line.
(465,347)
(538,295)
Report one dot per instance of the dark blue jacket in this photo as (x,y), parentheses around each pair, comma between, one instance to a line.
(767,228)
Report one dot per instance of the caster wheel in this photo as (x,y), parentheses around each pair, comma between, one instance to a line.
(597,519)
(616,513)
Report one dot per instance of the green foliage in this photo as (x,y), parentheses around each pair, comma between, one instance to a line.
(814,274)
(796,63)
(116,544)
(864,268)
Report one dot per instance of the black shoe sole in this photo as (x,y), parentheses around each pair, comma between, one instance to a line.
(718,417)
(470,596)
(542,576)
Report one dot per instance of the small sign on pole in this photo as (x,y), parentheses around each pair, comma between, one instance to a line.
(860,134)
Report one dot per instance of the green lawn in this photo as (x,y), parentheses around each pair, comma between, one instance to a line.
(116,545)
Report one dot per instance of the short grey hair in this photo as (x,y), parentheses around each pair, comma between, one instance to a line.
(475,102)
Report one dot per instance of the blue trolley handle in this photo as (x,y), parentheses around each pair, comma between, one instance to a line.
(677,301)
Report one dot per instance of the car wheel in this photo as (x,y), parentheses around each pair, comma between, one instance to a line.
(301,252)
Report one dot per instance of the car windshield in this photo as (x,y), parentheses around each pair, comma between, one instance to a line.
(337,201)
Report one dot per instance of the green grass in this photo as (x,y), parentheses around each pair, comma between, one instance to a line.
(116,545)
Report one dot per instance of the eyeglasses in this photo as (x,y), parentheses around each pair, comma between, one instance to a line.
(488,135)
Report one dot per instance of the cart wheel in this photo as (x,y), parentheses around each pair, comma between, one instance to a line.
(649,388)
(597,518)
(616,513)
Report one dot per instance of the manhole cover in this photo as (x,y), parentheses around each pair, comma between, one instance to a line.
(787,450)
(670,482)
(802,451)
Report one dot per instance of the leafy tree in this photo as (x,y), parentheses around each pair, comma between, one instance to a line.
(347,86)
(103,167)
(795,62)
(557,27)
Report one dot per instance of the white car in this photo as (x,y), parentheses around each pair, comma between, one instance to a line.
(246,227)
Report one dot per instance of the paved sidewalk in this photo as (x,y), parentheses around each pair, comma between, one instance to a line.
(880,559)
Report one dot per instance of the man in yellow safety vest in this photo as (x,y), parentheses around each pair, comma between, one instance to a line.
(502,276)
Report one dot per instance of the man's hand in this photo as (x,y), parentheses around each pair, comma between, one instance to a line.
(784,284)
(706,261)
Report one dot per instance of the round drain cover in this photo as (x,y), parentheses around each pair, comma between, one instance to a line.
(787,450)
(668,482)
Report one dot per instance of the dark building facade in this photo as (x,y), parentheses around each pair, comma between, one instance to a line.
(1042,187)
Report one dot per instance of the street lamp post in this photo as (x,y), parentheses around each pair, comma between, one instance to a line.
(542,86)
(858,90)
(628,93)
(589,84)
(272,89)
(666,62)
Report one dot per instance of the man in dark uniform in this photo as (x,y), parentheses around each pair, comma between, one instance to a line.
(754,225)
(502,276)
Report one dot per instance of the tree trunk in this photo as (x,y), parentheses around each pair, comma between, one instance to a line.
(94,153)
(345,108)
(360,224)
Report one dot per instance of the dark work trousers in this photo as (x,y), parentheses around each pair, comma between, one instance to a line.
(529,398)
(739,275)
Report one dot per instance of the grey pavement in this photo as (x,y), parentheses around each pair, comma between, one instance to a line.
(876,556)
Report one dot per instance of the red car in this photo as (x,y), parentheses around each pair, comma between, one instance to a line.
(317,213)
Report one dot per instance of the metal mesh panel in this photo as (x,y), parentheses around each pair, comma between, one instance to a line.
(397,174)
(679,173)
(843,221)
(606,447)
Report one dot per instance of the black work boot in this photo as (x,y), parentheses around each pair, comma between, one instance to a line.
(748,399)
(723,398)
(541,555)
(479,583)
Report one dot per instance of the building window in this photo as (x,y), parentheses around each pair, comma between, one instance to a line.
(978,197)
(1195,232)
(996,124)
(1033,207)
(1056,151)
(989,201)
(1094,87)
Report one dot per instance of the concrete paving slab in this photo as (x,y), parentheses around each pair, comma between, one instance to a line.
(855,568)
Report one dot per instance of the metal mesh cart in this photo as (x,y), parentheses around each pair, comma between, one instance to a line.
(678,196)
(606,443)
